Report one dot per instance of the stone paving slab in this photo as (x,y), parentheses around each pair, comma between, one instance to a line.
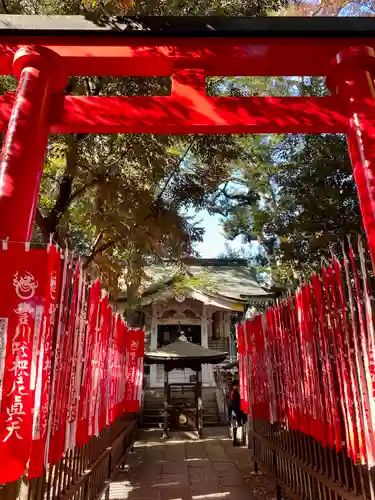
(184,467)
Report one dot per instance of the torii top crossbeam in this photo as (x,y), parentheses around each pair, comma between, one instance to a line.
(44,51)
(188,50)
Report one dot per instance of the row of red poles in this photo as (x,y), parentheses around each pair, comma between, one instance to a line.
(309,360)
(69,365)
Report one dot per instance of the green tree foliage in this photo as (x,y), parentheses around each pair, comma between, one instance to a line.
(119,200)
(143,7)
(295,197)
(363,8)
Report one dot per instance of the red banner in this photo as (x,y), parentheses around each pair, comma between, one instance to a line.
(285,367)
(42,392)
(84,428)
(245,369)
(330,410)
(342,350)
(259,379)
(67,362)
(279,333)
(134,357)
(317,427)
(365,320)
(271,333)
(105,327)
(113,369)
(120,390)
(334,369)
(77,362)
(240,330)
(59,366)
(68,365)
(23,277)
(349,340)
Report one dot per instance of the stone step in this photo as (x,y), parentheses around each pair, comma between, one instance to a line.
(155,407)
(153,411)
(206,409)
(158,421)
(208,394)
(155,424)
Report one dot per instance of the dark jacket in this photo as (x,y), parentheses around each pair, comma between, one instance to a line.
(235,403)
(236,415)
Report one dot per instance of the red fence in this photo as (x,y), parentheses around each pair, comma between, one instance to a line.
(310,367)
(69,366)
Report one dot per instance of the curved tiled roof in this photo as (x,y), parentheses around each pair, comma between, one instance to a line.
(184,352)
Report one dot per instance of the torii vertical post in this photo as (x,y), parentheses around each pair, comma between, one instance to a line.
(26,139)
(351,76)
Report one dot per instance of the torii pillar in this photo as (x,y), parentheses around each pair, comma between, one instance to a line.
(352,78)
(22,158)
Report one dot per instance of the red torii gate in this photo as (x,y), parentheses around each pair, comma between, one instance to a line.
(43,52)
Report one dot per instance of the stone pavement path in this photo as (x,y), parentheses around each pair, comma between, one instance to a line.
(186,468)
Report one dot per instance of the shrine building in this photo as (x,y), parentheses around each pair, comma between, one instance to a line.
(202,300)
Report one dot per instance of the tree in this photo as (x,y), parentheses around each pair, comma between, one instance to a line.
(119,200)
(143,7)
(365,8)
(295,196)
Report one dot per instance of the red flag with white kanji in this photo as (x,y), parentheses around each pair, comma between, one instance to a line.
(84,430)
(305,419)
(67,364)
(135,342)
(121,334)
(74,368)
(23,283)
(60,361)
(76,373)
(350,344)
(42,390)
(366,326)
(105,332)
(332,432)
(245,368)
(259,376)
(240,330)
(341,354)
(295,366)
(271,332)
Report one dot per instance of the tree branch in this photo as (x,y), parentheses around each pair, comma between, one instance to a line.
(101,249)
(39,218)
(87,81)
(97,241)
(82,189)
(176,167)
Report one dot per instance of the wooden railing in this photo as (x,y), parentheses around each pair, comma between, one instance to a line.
(304,469)
(83,473)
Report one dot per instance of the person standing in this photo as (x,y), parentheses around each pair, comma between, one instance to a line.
(236,415)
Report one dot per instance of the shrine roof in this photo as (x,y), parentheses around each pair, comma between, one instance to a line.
(186,26)
(227,278)
(183,351)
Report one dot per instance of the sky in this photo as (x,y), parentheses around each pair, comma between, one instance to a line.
(213,242)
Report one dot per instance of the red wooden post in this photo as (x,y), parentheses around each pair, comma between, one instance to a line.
(351,76)
(26,139)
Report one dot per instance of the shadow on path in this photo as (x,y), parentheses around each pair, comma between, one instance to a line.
(184,467)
